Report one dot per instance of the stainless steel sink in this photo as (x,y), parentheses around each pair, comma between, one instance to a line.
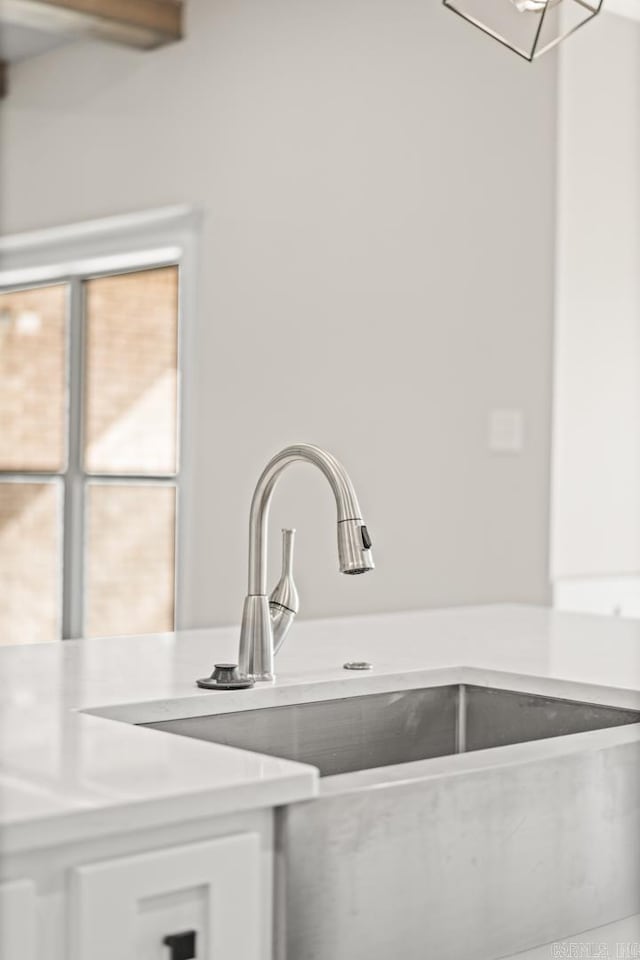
(360,733)
(481,860)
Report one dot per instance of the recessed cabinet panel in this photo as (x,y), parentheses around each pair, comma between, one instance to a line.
(134,908)
(18,921)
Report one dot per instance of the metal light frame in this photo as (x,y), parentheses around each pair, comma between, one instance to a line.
(594,9)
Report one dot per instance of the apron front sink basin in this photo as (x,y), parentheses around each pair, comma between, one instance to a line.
(410,851)
(383,729)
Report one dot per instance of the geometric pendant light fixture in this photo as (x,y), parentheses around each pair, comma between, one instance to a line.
(528,27)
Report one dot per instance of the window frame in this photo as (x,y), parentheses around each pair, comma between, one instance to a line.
(72,255)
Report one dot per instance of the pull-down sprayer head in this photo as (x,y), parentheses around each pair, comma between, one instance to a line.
(354,547)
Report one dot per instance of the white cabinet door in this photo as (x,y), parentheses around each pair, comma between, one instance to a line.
(123,909)
(18,921)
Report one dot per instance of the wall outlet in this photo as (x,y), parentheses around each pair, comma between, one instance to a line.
(506,431)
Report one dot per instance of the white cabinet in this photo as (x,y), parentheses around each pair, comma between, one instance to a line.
(18,920)
(123,909)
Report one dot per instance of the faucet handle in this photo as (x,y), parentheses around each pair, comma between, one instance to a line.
(285,593)
(284,602)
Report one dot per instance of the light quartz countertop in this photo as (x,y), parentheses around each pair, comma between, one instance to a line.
(73,765)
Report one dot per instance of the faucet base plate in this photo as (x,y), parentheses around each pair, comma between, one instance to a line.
(207,683)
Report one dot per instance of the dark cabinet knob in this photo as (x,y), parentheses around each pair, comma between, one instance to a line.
(182,946)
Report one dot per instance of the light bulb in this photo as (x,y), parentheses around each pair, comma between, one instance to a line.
(530,6)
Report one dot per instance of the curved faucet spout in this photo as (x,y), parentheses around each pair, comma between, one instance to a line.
(354,550)
(346,503)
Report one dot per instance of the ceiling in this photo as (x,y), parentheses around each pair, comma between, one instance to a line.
(31,27)
(18,42)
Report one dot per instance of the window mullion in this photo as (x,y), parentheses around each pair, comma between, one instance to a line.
(74,494)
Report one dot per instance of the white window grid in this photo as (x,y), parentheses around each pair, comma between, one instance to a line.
(51,257)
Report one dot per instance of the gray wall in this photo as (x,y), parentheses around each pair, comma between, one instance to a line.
(377,180)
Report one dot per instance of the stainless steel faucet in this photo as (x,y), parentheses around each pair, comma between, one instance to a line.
(266,620)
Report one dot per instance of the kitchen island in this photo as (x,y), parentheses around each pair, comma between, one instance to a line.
(114,837)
